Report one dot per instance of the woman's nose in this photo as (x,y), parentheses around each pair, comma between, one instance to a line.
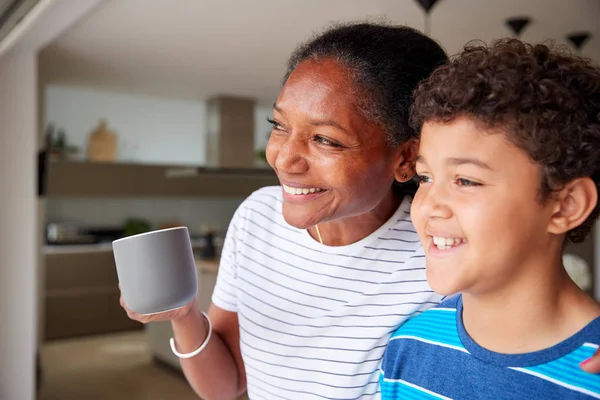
(291,157)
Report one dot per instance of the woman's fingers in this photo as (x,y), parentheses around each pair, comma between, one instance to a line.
(592,364)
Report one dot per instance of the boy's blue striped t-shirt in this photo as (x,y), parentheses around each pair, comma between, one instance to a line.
(431,356)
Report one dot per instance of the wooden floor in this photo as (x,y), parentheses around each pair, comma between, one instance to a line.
(115,367)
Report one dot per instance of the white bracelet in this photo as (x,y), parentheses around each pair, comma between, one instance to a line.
(199,349)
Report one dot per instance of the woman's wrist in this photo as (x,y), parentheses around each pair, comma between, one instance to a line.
(190,329)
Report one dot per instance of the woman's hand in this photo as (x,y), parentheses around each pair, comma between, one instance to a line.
(163,316)
(592,365)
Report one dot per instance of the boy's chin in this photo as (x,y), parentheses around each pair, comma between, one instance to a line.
(441,286)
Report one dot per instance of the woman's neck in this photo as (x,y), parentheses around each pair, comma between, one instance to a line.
(350,230)
(533,313)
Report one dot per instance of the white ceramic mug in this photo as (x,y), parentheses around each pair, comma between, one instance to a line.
(156,270)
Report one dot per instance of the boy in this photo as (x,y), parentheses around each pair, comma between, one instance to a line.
(509,170)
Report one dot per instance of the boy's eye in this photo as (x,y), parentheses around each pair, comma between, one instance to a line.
(423,179)
(466,182)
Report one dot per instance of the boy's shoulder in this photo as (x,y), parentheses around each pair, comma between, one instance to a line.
(442,313)
(436,325)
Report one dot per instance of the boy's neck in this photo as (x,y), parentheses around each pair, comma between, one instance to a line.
(530,314)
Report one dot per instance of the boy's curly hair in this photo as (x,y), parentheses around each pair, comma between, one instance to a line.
(545,100)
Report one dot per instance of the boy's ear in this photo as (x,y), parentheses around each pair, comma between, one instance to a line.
(406,158)
(574,204)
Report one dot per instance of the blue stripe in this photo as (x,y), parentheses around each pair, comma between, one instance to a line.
(399,390)
(437,326)
(565,370)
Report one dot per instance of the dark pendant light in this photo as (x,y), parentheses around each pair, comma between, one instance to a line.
(578,39)
(427,5)
(517,24)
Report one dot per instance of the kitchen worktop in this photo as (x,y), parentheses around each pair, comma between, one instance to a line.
(86,248)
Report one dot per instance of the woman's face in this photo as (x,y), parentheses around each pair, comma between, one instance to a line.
(331,161)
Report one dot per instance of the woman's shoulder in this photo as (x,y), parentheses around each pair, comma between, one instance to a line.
(268,195)
(265,202)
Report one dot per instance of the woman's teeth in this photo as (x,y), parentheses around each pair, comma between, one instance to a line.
(444,243)
(296,191)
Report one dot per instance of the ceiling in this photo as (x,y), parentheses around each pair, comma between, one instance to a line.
(196,49)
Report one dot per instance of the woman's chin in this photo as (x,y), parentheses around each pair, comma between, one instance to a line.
(298,222)
(297,218)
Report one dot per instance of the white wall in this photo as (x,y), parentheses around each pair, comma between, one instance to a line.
(18,222)
(148,129)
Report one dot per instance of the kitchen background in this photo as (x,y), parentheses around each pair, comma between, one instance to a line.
(149,130)
(152,113)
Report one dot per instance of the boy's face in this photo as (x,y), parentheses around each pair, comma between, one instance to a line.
(477,210)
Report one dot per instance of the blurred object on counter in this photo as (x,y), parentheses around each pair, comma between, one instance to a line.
(135,226)
(207,247)
(69,234)
(105,234)
(66,233)
(60,149)
(168,225)
(102,145)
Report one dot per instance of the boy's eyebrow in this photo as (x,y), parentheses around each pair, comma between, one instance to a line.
(460,161)
(474,161)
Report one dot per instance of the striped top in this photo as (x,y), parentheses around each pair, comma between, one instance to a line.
(314,319)
(433,357)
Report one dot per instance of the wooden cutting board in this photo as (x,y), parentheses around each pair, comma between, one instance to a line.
(102,144)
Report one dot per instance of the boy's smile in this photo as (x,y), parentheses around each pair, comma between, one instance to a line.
(478,210)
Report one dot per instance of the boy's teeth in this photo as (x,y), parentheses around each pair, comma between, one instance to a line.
(296,191)
(444,243)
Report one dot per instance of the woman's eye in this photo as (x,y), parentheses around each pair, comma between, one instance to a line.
(466,182)
(423,179)
(326,142)
(276,125)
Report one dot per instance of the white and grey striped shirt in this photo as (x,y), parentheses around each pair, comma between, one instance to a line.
(315,320)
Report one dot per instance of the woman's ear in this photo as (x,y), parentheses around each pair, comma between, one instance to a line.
(574,204)
(406,159)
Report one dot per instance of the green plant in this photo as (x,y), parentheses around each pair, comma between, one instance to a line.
(135,226)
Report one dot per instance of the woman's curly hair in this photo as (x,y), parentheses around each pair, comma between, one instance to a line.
(546,101)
